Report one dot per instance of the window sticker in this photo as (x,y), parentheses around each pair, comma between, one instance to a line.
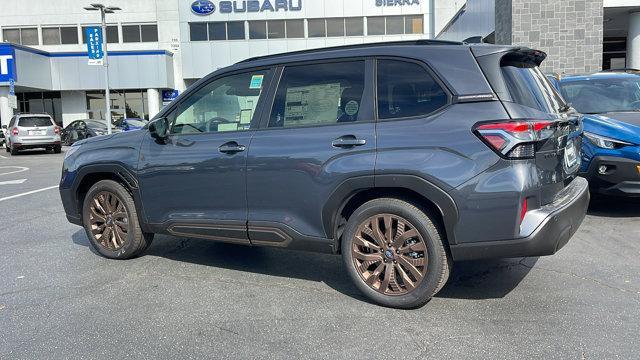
(307,105)
(245,116)
(351,108)
(256,82)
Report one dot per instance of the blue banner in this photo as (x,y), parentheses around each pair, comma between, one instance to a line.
(7,63)
(94,45)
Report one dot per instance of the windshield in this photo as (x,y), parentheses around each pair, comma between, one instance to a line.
(136,122)
(34,121)
(96,125)
(594,96)
(528,86)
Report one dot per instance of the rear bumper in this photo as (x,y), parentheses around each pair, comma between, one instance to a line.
(622,177)
(560,220)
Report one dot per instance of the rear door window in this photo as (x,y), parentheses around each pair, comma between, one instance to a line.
(35,121)
(320,94)
(528,86)
(407,89)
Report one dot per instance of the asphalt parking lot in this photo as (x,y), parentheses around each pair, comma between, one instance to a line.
(194,299)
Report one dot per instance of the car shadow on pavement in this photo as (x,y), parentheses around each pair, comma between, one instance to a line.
(313,267)
(469,280)
(614,207)
(486,279)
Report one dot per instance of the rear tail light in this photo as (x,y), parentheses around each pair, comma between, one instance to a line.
(14,131)
(56,130)
(515,139)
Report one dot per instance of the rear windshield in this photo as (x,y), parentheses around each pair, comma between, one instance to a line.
(528,86)
(34,121)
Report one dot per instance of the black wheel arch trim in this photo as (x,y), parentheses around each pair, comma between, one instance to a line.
(352,186)
(120,172)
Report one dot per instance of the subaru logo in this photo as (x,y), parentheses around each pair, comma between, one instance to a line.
(202,7)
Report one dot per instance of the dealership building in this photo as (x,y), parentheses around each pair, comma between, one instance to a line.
(157,48)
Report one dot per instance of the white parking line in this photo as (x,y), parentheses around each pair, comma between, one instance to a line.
(13,182)
(3,157)
(20,169)
(28,193)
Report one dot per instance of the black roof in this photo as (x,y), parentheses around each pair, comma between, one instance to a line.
(355,46)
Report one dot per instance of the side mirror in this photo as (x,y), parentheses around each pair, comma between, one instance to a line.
(159,129)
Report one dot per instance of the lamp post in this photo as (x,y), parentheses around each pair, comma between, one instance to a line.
(105,10)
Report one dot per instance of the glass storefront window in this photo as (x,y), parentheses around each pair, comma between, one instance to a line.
(41,102)
(124,104)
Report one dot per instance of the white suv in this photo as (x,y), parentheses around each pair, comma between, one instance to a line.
(30,131)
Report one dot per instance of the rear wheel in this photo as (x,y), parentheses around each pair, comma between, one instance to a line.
(57,149)
(394,253)
(111,221)
(13,150)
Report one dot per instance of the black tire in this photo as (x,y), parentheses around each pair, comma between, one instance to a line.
(57,149)
(136,240)
(6,147)
(438,263)
(13,151)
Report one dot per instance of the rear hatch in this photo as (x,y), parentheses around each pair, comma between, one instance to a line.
(36,127)
(550,130)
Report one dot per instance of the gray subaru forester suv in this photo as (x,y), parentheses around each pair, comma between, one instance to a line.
(401,157)
(32,131)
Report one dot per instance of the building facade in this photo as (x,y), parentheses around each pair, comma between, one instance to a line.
(161,47)
(579,36)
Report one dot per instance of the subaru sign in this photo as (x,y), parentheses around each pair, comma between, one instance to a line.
(94,45)
(169,95)
(207,7)
(7,63)
(202,7)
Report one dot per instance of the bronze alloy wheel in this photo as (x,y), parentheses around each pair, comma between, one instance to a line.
(389,254)
(109,220)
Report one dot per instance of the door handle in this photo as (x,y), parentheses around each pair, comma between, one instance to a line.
(348,141)
(231,147)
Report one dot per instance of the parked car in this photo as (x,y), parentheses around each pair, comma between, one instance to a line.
(84,129)
(132,124)
(611,102)
(398,156)
(32,131)
(3,141)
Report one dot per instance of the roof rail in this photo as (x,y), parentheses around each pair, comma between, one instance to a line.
(356,46)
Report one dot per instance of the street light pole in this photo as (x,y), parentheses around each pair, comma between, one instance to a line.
(107,98)
(105,62)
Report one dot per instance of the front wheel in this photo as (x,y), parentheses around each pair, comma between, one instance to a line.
(394,253)
(111,221)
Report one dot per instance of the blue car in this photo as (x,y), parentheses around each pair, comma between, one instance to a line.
(611,104)
(133,124)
